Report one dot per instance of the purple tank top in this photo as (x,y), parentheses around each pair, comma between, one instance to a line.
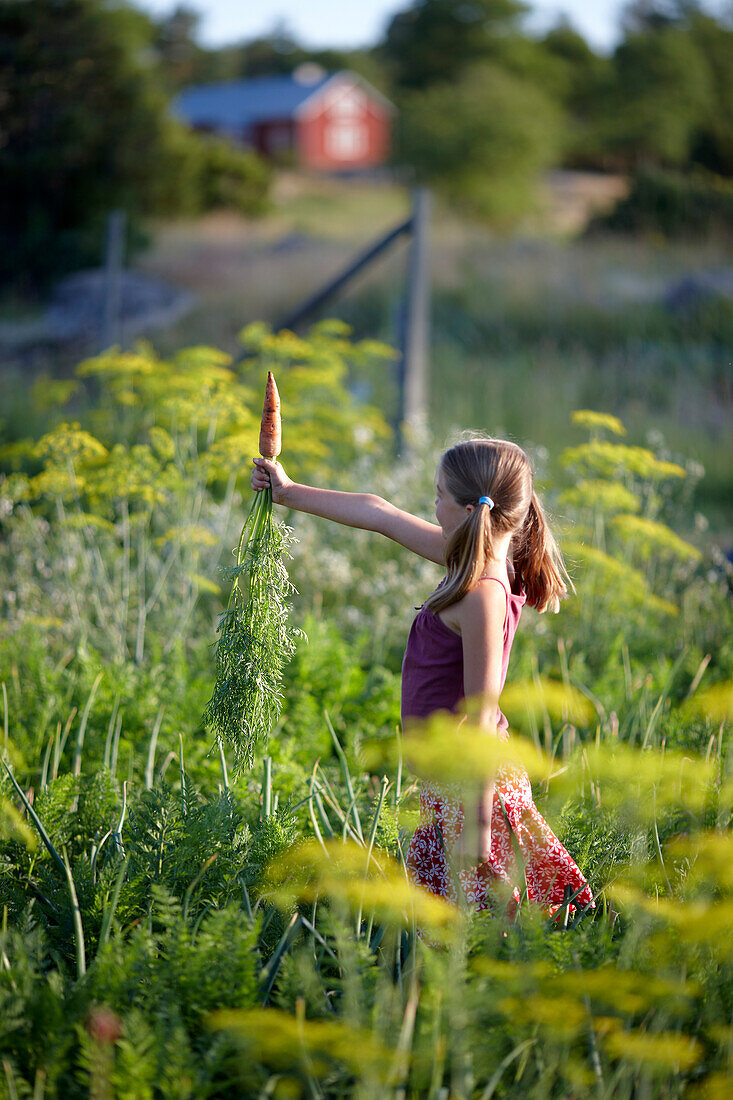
(432,668)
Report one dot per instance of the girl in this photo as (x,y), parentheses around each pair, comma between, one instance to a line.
(498,552)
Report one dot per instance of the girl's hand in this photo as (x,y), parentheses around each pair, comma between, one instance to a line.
(268,474)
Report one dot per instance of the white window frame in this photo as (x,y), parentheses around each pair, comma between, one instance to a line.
(346,140)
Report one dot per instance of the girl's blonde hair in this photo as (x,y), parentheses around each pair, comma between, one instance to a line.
(501,470)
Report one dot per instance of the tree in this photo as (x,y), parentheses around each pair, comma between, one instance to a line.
(175,41)
(579,78)
(84,129)
(483,140)
(645,16)
(713,143)
(670,99)
(662,92)
(579,70)
(434,41)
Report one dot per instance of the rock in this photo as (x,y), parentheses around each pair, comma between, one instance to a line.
(694,290)
(73,322)
(291,242)
(77,308)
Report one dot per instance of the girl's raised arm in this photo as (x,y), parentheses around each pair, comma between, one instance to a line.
(364,510)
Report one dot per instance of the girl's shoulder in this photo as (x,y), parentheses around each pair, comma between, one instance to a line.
(483,607)
(484,601)
(504,584)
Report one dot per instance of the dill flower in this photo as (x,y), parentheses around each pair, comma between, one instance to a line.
(586,418)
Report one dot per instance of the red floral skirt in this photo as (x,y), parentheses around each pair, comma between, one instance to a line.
(548,866)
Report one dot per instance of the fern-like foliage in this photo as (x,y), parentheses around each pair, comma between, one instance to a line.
(255,641)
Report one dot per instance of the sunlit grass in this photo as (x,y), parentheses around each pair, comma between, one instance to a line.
(276,906)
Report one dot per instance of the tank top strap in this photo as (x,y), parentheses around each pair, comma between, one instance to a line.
(507,590)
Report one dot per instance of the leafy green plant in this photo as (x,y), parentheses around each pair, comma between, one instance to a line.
(674,205)
(258,938)
(255,640)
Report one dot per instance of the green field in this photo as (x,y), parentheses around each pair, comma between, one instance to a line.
(172,928)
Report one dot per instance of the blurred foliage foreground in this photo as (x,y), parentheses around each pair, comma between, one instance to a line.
(167,933)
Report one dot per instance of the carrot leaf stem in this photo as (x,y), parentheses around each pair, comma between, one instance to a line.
(255,640)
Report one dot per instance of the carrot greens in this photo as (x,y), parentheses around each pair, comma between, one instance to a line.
(255,641)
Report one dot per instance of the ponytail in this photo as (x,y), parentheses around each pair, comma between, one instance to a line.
(477,469)
(467,551)
(538,561)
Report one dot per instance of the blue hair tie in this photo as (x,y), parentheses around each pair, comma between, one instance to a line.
(486,500)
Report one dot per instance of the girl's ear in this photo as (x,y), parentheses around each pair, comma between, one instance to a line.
(470,508)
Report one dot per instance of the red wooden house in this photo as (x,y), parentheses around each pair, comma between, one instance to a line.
(328,121)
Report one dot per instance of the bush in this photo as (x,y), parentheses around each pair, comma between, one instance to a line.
(673,204)
(231,177)
(87,130)
(204,173)
(83,133)
(482,141)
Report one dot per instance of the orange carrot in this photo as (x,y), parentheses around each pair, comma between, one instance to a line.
(271,428)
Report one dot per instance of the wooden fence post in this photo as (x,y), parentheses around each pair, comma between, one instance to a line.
(114,248)
(414,388)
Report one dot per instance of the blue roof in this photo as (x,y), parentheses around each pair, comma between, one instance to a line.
(239,103)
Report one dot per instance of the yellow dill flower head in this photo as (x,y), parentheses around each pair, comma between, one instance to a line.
(654,538)
(510,973)
(231,453)
(18,452)
(188,535)
(707,858)
(285,346)
(118,365)
(162,443)
(620,585)
(347,874)
(69,442)
(657,1052)
(48,393)
(627,992)
(715,1086)
(445,748)
(375,349)
(204,584)
(637,782)
(554,1014)
(78,521)
(127,397)
(56,481)
(331,326)
(210,360)
(133,474)
(707,921)
(280,1041)
(253,335)
(605,459)
(522,700)
(714,703)
(598,495)
(586,418)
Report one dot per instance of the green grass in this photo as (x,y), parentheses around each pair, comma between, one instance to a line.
(190,933)
(532,331)
(349,210)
